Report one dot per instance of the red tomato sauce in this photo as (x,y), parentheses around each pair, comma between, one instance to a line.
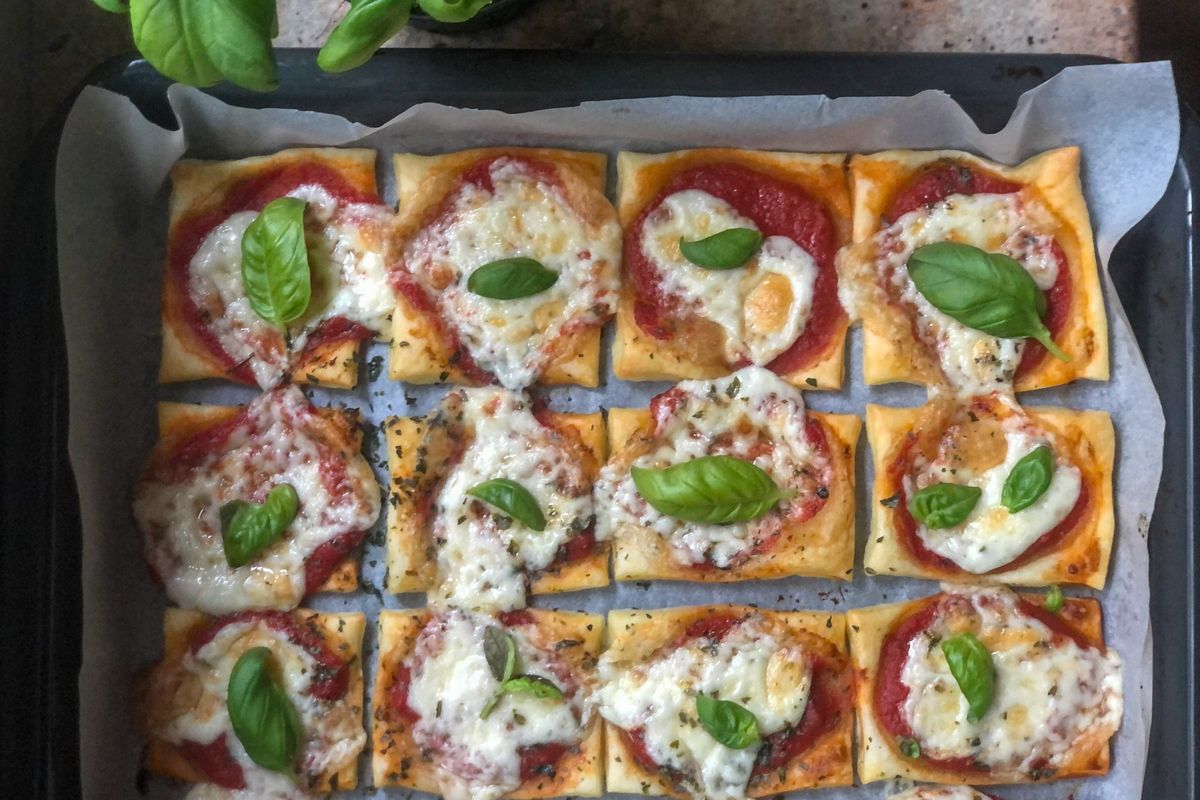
(944,179)
(906,526)
(778,208)
(250,195)
(541,759)
(215,762)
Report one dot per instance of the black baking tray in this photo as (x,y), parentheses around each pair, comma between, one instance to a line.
(1154,268)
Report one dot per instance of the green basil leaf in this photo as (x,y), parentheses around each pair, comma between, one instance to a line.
(275,271)
(1029,479)
(501,653)
(364,29)
(237,37)
(943,505)
(989,292)
(452,10)
(971,665)
(910,748)
(1054,599)
(727,722)
(535,685)
(714,489)
(165,32)
(491,703)
(728,249)
(263,718)
(513,499)
(114,6)
(248,529)
(511,279)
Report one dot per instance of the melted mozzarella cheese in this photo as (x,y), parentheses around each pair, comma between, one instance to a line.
(728,416)
(973,362)
(478,758)
(521,217)
(750,666)
(180,515)
(483,555)
(939,793)
(991,536)
(333,735)
(762,307)
(1046,695)
(349,279)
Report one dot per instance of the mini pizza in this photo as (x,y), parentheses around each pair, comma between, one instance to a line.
(764,291)
(217,710)
(455,715)
(491,498)
(211,328)
(214,479)
(506,262)
(1034,213)
(981,685)
(942,793)
(707,519)
(1060,530)
(670,678)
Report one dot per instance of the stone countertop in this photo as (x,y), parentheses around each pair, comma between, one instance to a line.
(73,36)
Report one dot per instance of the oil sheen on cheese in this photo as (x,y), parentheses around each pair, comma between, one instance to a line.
(750,666)
(483,555)
(522,217)
(762,307)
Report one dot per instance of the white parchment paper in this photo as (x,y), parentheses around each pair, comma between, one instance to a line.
(111,210)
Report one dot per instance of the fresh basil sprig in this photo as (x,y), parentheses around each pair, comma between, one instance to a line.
(989,292)
(713,489)
(730,724)
(247,529)
(275,271)
(200,42)
(971,665)
(452,10)
(263,718)
(364,29)
(1054,599)
(511,279)
(729,249)
(943,505)
(513,499)
(1029,479)
(501,653)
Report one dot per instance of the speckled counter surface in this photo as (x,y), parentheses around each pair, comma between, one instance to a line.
(74,36)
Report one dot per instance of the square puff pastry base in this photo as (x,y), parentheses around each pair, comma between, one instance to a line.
(878,758)
(411,562)
(342,632)
(199,186)
(178,420)
(579,774)
(820,547)
(634,636)
(1084,559)
(418,353)
(637,356)
(1054,176)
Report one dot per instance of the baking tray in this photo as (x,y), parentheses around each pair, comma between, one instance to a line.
(1154,269)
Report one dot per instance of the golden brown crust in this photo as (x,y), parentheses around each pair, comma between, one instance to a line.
(343,634)
(1083,556)
(397,761)
(177,421)
(419,352)
(200,187)
(634,636)
(878,756)
(890,350)
(411,560)
(639,357)
(821,546)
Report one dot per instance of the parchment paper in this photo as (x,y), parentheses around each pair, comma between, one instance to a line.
(111,227)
